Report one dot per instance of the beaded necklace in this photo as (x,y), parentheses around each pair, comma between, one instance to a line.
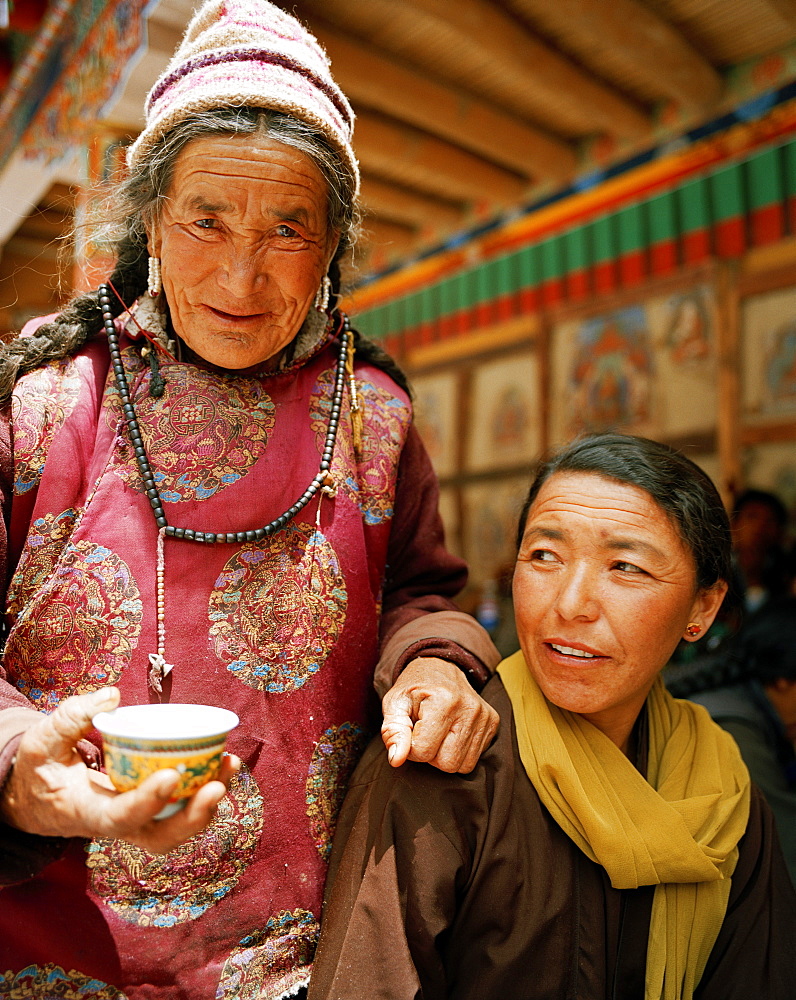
(323,482)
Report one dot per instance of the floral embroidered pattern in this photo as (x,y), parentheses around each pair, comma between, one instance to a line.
(48,982)
(272,962)
(41,402)
(371,483)
(43,547)
(202,435)
(77,632)
(334,758)
(164,890)
(278,608)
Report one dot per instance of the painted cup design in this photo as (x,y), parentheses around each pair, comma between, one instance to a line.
(141,739)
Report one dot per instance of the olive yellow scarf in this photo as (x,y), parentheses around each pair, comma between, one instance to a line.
(677,829)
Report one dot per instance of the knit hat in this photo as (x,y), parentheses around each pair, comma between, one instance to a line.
(248,53)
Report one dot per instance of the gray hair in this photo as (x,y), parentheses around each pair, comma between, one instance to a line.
(139,197)
(136,204)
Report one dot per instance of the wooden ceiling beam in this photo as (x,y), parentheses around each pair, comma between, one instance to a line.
(640,39)
(376,81)
(380,236)
(421,210)
(786,9)
(416,159)
(484,35)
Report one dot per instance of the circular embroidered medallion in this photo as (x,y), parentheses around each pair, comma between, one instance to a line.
(41,402)
(272,962)
(203,434)
(278,608)
(51,982)
(77,632)
(371,483)
(334,758)
(46,540)
(164,890)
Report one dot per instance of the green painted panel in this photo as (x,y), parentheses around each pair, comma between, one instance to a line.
(727,199)
(506,274)
(429,304)
(630,229)
(468,289)
(789,168)
(371,322)
(692,201)
(412,316)
(482,276)
(447,296)
(529,266)
(552,252)
(661,213)
(764,178)
(603,239)
(395,312)
(576,249)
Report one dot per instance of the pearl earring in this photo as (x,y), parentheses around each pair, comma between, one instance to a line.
(322,295)
(154,283)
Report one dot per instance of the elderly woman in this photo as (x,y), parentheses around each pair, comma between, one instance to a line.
(214,493)
(609,843)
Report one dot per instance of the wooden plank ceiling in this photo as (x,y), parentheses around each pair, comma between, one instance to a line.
(467,109)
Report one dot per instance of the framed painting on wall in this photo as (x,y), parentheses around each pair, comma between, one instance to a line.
(436,417)
(768,361)
(647,368)
(490,513)
(504,413)
(683,328)
(602,373)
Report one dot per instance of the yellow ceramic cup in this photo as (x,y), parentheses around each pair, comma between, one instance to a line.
(141,739)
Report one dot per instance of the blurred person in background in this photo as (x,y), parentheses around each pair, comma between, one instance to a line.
(759,521)
(750,690)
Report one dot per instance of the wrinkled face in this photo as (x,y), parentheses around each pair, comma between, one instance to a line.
(603,590)
(243,242)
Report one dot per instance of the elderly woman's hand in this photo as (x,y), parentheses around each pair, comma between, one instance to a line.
(432,714)
(50,790)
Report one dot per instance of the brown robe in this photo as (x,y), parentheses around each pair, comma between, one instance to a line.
(463,886)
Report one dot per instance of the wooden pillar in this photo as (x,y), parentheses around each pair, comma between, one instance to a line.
(728,349)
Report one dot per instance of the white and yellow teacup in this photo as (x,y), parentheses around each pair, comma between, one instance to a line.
(141,739)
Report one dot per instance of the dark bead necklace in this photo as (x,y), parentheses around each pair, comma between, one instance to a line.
(322,482)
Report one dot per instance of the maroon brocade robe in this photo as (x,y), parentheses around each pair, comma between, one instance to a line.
(284,632)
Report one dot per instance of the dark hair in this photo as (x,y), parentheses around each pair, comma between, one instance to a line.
(770,500)
(679,487)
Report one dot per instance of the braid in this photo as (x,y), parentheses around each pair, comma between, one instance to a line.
(72,327)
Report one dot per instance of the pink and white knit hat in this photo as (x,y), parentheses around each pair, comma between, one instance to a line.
(248,53)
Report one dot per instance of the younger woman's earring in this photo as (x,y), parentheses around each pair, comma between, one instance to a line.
(322,295)
(154,283)
(693,629)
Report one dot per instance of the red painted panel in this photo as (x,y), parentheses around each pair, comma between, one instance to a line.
(663,257)
(767,224)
